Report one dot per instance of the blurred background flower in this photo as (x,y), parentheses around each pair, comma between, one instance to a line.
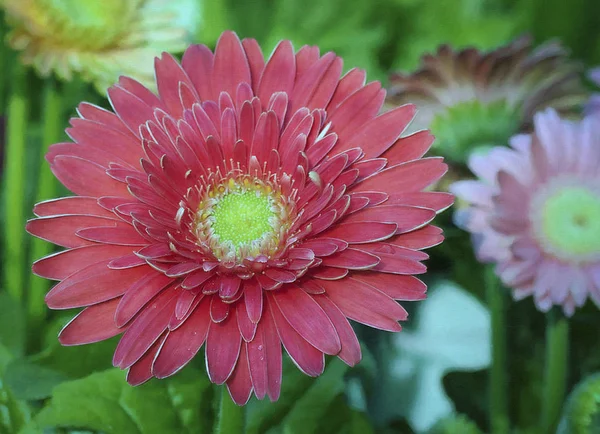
(469,98)
(98,40)
(535,212)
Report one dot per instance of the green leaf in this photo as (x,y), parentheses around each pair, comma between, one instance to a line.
(307,405)
(105,402)
(29,381)
(14,414)
(12,325)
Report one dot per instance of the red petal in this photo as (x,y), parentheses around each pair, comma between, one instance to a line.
(222,349)
(351,259)
(139,294)
(127,261)
(93,284)
(423,238)
(145,329)
(365,304)
(363,232)
(253,298)
(86,178)
(197,62)
(321,246)
(61,265)
(378,135)
(435,200)
(182,269)
(406,177)
(306,317)
(408,218)
(120,235)
(315,86)
(141,371)
(247,327)
(168,76)
(61,229)
(183,343)
(92,324)
(327,273)
(230,285)
(409,148)
(196,279)
(255,60)
(407,288)
(280,275)
(279,72)
(349,84)
(350,351)
(230,64)
(132,110)
(219,311)
(80,205)
(240,383)
(308,359)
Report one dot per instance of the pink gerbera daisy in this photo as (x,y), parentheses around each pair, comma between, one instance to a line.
(535,211)
(250,204)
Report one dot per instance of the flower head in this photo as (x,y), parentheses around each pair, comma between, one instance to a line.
(98,39)
(250,204)
(535,211)
(470,98)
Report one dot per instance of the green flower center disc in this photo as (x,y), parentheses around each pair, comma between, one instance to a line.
(571,222)
(92,24)
(242,217)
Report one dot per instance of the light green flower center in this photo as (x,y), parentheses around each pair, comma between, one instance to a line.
(466,125)
(242,218)
(92,24)
(570,222)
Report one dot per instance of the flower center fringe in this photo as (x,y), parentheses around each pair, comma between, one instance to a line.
(241,218)
(568,224)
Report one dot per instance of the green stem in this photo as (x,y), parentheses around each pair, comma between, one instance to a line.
(231,416)
(495,294)
(555,375)
(14,184)
(46,189)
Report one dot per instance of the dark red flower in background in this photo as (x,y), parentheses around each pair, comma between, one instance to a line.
(250,204)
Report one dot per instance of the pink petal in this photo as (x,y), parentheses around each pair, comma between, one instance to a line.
(407,288)
(219,311)
(247,327)
(197,62)
(222,349)
(423,238)
(406,177)
(363,232)
(80,205)
(349,84)
(168,76)
(141,371)
(307,318)
(86,178)
(145,329)
(59,266)
(279,72)
(407,218)
(139,294)
(253,298)
(230,64)
(350,351)
(183,343)
(61,229)
(308,359)
(119,235)
(365,304)
(255,60)
(93,284)
(409,148)
(92,324)
(351,259)
(435,200)
(240,383)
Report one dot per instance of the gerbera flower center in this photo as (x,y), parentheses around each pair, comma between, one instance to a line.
(243,217)
(569,225)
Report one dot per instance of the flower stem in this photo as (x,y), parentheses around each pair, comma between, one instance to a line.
(555,375)
(46,189)
(231,416)
(497,381)
(14,184)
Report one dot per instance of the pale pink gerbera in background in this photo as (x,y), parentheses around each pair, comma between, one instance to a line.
(535,211)
(250,204)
